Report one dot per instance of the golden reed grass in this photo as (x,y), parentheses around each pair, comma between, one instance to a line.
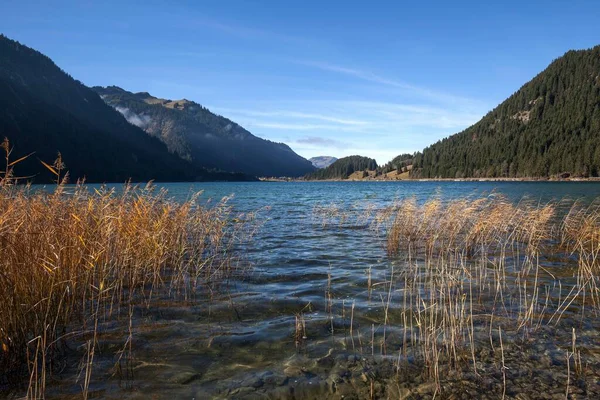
(456,270)
(472,262)
(74,257)
(469,276)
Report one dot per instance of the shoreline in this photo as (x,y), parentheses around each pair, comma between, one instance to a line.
(528,180)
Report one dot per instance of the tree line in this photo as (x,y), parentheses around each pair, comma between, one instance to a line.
(549,127)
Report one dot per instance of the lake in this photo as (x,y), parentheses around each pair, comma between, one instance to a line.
(307,319)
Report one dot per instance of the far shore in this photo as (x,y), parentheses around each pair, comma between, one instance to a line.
(553,179)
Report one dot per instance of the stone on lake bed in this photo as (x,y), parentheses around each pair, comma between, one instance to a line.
(292,371)
(335,378)
(404,394)
(326,362)
(185,378)
(426,388)
(253,381)
(273,379)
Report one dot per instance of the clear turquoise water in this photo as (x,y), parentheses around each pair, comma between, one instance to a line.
(286,196)
(216,347)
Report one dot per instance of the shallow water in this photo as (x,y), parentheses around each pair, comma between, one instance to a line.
(241,341)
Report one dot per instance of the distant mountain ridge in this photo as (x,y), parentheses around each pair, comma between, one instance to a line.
(44,110)
(322,161)
(549,127)
(205,139)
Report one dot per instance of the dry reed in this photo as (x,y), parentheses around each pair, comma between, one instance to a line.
(74,257)
(467,268)
(469,261)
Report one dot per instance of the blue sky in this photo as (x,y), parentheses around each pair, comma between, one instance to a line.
(326,77)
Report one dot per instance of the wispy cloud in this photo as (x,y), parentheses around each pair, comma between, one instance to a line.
(290,114)
(385,81)
(322,142)
(362,113)
(339,128)
(352,116)
(415,115)
(364,75)
(297,126)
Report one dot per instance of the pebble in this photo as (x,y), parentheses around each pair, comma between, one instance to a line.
(353,358)
(522,396)
(185,378)
(336,378)
(326,362)
(293,371)
(404,394)
(272,379)
(428,387)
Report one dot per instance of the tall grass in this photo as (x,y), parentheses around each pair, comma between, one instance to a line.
(73,258)
(480,265)
(471,277)
(581,236)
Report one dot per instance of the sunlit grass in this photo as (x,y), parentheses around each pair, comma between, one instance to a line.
(471,280)
(477,268)
(74,257)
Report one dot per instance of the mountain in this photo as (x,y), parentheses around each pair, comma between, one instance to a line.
(44,110)
(195,134)
(343,168)
(549,127)
(322,161)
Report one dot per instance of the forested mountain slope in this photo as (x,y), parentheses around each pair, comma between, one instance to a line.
(550,126)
